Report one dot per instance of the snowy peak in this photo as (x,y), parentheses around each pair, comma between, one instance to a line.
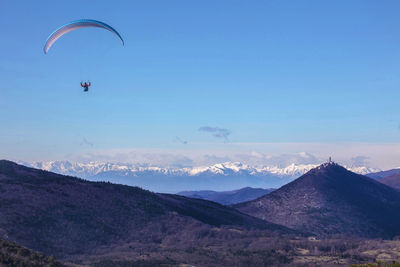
(225,169)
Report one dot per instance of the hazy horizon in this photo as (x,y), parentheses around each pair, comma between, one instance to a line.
(381,156)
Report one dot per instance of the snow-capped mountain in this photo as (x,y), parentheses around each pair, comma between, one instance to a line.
(228,168)
(221,176)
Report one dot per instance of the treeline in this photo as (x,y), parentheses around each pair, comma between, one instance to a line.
(234,247)
(14,255)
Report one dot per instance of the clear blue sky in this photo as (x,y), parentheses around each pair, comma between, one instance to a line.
(268,71)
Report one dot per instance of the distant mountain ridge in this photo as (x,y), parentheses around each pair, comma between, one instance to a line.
(229,197)
(382,174)
(218,177)
(330,200)
(392,181)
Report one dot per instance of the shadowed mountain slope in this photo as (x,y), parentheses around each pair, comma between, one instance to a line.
(228,197)
(332,200)
(392,181)
(62,215)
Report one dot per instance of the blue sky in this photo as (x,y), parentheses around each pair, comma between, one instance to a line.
(320,72)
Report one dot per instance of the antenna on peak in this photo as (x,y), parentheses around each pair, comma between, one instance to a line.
(330,160)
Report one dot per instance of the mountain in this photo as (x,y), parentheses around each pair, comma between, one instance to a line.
(392,181)
(228,197)
(64,216)
(383,174)
(218,177)
(332,200)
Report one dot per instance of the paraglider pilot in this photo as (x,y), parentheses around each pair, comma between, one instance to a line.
(86,86)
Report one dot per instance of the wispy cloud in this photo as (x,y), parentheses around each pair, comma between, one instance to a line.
(86,142)
(216,131)
(179,140)
(280,160)
(359,161)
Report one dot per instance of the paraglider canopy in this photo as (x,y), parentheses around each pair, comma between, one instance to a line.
(74,25)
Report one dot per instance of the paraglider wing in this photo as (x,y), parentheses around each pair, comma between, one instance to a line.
(74,25)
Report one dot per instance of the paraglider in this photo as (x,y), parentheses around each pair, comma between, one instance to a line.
(75,25)
(86,86)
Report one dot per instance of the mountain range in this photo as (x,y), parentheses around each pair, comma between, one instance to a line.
(382,174)
(228,197)
(103,224)
(330,200)
(218,177)
(64,216)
